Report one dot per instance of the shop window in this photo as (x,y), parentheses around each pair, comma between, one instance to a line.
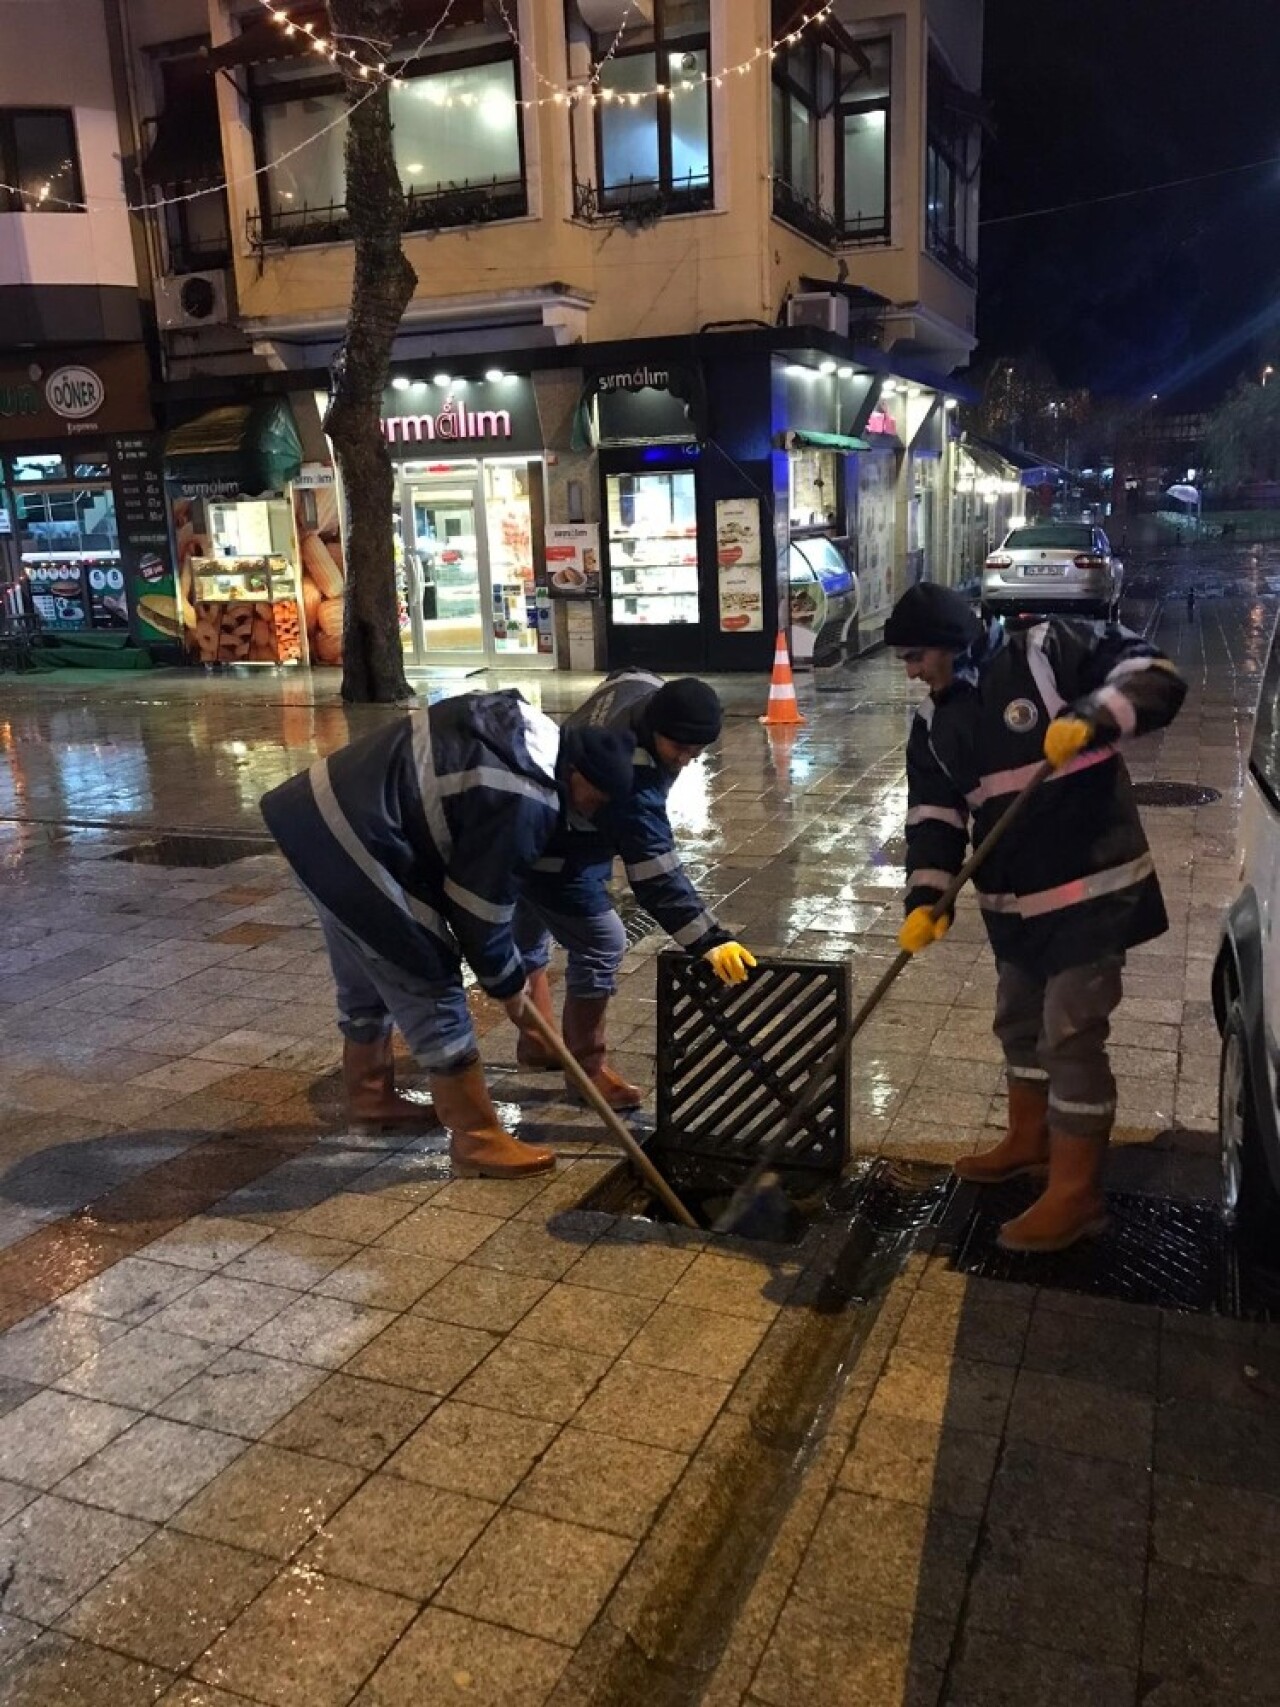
(951,175)
(831,108)
(39,160)
(69,520)
(458,137)
(652,141)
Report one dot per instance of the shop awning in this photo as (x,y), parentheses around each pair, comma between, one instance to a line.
(253,447)
(265,40)
(186,148)
(801,438)
(989,461)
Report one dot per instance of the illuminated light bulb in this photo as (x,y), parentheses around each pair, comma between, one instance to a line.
(289,30)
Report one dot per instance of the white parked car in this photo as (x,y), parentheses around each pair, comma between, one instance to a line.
(1246,995)
(1063,567)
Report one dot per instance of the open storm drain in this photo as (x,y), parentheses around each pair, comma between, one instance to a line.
(1174,794)
(200,852)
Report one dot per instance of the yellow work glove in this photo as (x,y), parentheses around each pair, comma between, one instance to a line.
(730,962)
(1065,737)
(920,928)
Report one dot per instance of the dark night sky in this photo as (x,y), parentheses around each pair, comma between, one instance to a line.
(1176,292)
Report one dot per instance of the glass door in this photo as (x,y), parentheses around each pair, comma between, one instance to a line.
(445,552)
(465,565)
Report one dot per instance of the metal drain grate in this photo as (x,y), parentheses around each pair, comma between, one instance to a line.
(1172,1253)
(732,1060)
(1174,794)
(201,852)
(635,922)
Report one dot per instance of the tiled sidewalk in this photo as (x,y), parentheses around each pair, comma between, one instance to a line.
(291,1417)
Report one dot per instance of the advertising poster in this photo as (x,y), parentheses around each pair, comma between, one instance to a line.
(146,557)
(877,482)
(317,518)
(738,565)
(573,560)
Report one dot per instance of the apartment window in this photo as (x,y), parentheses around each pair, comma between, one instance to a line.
(862,143)
(458,138)
(831,108)
(653,150)
(38,157)
(951,171)
(801,91)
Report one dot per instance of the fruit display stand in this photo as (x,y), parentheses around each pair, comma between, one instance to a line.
(245,611)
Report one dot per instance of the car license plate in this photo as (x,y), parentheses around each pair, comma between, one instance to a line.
(1041,571)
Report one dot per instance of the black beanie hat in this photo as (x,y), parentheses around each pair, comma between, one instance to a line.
(930,615)
(686,711)
(604,757)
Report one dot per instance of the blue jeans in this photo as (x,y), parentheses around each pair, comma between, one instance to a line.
(374,995)
(595,942)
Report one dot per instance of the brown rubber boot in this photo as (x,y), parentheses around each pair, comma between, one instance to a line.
(1072,1207)
(369,1080)
(584,1032)
(1024,1149)
(531,1052)
(478,1145)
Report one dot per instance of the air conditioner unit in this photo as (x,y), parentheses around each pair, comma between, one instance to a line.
(819,311)
(187,301)
(603,16)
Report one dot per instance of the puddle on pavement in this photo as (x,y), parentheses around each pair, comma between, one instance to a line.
(1174,794)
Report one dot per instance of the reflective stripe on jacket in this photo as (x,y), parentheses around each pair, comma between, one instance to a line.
(1074,878)
(414,836)
(637,830)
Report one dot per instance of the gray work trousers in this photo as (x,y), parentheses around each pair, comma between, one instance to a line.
(433,1017)
(1054,1030)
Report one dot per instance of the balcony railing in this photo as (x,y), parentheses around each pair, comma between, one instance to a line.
(446,207)
(642,201)
(812,220)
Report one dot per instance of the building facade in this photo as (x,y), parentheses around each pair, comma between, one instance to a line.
(694,278)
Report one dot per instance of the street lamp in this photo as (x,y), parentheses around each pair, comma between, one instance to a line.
(1267,372)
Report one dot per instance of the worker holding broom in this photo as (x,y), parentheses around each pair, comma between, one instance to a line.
(566,894)
(410,843)
(1068,889)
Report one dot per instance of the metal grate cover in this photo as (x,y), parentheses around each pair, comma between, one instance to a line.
(732,1060)
(201,852)
(1174,794)
(1156,1251)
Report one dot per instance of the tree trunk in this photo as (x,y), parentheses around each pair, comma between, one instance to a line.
(372,654)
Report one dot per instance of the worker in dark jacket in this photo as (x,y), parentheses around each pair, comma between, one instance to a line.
(410,842)
(1070,888)
(566,895)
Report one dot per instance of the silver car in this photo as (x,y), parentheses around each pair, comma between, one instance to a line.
(1067,567)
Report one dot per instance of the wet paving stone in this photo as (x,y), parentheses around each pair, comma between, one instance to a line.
(416,1440)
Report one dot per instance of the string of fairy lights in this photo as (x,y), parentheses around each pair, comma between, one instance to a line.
(589,92)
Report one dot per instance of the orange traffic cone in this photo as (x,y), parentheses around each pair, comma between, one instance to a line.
(782,707)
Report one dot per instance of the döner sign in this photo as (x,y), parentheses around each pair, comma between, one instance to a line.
(75,393)
(450,424)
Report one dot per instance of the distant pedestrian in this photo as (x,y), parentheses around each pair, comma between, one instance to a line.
(1070,889)
(1191,601)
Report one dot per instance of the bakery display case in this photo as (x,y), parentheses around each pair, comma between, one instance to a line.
(653,549)
(245,610)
